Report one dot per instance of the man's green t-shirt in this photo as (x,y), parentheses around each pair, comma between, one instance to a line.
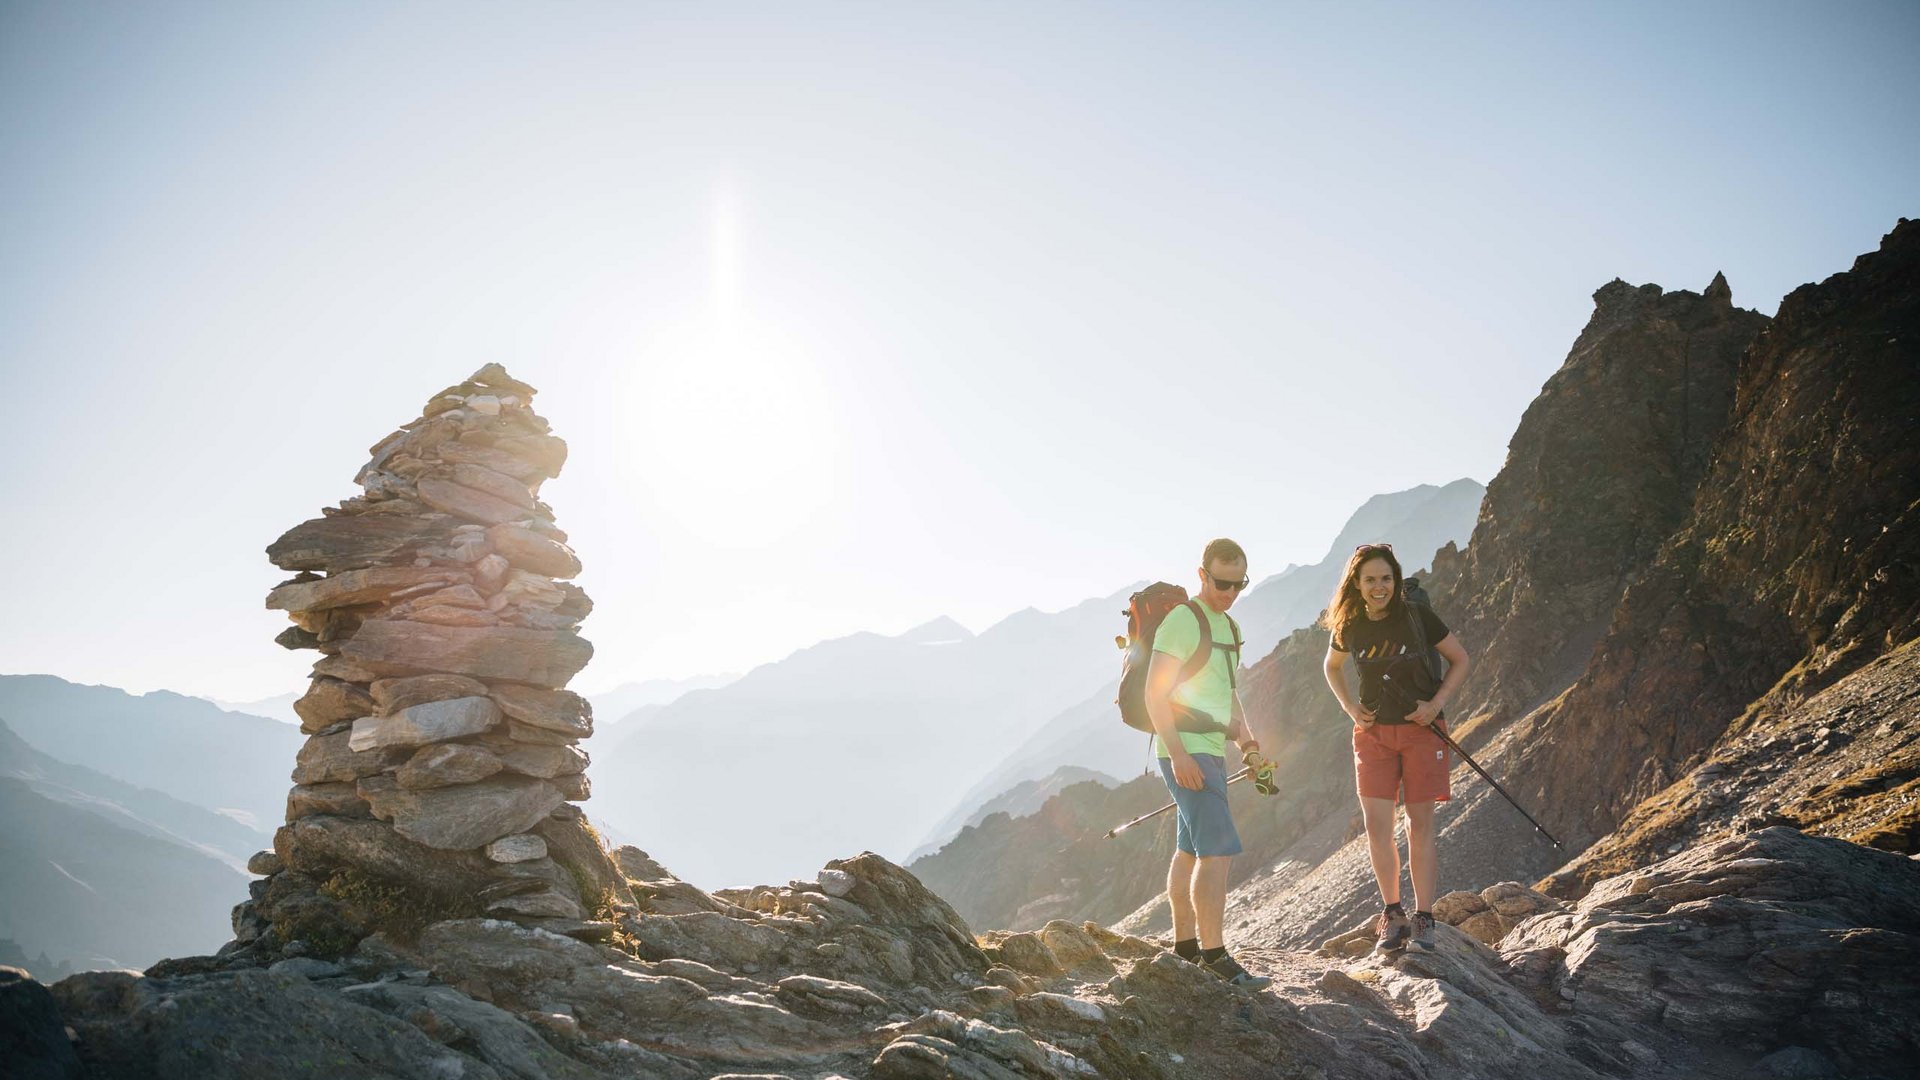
(1210,691)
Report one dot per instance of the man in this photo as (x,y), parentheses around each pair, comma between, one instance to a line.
(1194,761)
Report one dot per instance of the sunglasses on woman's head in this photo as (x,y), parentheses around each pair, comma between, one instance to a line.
(1363,547)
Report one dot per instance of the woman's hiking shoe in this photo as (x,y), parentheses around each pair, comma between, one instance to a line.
(1423,931)
(1391,930)
(1229,969)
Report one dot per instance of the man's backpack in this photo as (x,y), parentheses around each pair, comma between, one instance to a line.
(1146,610)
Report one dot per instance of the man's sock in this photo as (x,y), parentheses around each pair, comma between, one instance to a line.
(1395,909)
(1208,956)
(1187,948)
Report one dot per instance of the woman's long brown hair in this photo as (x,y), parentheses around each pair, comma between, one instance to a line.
(1347,603)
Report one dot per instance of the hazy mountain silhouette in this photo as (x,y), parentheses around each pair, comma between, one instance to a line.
(182,746)
(90,891)
(138,809)
(857,742)
(620,704)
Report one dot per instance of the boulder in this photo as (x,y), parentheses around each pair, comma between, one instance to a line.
(33,1037)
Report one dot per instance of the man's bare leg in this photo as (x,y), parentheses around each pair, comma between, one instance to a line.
(1381,848)
(1210,898)
(1422,855)
(1180,895)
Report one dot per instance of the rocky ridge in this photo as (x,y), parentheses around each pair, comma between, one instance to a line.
(1766,955)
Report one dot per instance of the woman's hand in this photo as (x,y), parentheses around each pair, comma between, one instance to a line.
(1424,713)
(1362,716)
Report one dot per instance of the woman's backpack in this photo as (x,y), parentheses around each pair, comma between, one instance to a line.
(1146,610)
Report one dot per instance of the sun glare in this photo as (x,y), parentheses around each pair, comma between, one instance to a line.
(729,423)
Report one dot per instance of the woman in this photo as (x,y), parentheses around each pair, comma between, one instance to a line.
(1394,746)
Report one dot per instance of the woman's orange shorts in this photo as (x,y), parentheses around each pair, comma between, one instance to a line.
(1386,756)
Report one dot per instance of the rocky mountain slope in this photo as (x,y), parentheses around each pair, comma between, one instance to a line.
(1693,579)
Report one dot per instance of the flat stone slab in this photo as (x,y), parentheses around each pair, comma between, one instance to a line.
(464,816)
(355,542)
(431,722)
(352,587)
(506,653)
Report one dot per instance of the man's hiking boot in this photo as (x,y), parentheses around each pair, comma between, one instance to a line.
(1423,931)
(1229,969)
(1391,929)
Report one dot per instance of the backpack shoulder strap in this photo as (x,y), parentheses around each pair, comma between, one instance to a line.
(1233,662)
(1204,651)
(1421,645)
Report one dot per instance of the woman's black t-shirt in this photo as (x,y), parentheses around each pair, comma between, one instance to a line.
(1386,646)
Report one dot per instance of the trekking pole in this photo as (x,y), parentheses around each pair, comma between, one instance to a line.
(1118,829)
(1455,747)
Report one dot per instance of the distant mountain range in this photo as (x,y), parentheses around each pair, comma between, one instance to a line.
(1028,797)
(621,703)
(181,746)
(136,809)
(862,741)
(100,873)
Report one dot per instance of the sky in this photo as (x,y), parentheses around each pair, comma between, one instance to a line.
(854,315)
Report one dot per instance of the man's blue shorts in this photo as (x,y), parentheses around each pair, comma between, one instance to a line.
(1206,825)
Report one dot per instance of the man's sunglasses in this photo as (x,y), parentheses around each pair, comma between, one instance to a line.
(1225,585)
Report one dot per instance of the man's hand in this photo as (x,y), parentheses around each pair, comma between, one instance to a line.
(1186,771)
(1362,716)
(1424,713)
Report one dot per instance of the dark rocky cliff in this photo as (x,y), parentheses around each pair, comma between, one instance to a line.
(1600,471)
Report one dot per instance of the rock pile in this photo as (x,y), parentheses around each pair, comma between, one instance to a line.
(444,752)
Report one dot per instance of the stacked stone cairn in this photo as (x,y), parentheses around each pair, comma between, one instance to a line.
(443,759)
